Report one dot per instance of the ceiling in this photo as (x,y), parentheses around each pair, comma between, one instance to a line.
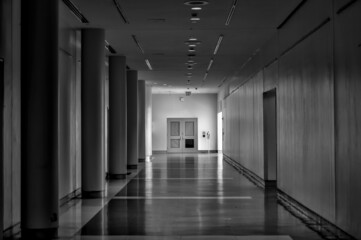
(161,27)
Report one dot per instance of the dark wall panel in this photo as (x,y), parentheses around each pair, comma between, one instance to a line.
(348,118)
(270,80)
(306,127)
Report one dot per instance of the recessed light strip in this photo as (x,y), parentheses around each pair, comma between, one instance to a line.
(205,76)
(218,44)
(210,65)
(120,11)
(148,64)
(231,12)
(75,10)
(137,43)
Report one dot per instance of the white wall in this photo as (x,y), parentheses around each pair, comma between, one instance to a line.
(148,120)
(201,106)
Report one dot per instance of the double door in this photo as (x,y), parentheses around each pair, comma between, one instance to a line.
(182,135)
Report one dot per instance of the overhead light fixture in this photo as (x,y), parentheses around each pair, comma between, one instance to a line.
(120,11)
(205,76)
(192,42)
(137,43)
(148,64)
(191,50)
(193,39)
(75,10)
(231,12)
(196,3)
(218,44)
(210,65)
(109,48)
(196,8)
(195,19)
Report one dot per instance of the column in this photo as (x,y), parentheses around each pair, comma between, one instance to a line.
(93,115)
(132,119)
(148,121)
(39,100)
(117,117)
(141,121)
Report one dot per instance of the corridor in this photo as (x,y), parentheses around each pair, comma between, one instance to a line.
(184,196)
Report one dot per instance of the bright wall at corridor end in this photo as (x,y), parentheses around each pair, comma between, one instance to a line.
(201,106)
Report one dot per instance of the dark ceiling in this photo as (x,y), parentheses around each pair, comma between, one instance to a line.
(162,26)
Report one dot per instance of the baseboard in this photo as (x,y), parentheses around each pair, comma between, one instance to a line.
(257,180)
(311,219)
(159,152)
(70,197)
(12,231)
(206,151)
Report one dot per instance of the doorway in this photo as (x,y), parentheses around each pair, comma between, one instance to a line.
(182,135)
(270,136)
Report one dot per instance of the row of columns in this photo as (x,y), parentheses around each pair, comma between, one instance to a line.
(39,213)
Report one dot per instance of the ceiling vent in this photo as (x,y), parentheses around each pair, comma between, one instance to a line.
(75,11)
(196,3)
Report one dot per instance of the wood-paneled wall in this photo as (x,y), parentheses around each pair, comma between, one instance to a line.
(317,77)
(348,117)
(306,138)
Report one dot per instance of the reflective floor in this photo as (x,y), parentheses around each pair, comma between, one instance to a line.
(193,196)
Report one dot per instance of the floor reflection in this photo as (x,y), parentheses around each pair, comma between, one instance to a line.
(194,195)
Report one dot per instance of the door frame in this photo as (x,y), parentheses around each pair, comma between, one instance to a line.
(182,148)
(270,136)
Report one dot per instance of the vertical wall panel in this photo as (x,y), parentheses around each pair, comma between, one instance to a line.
(348,117)
(306,123)
(258,149)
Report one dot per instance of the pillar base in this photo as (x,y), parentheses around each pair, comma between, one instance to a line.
(92,194)
(113,176)
(132,166)
(45,233)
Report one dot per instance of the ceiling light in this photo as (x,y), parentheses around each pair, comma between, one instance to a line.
(75,10)
(191,50)
(192,42)
(218,44)
(193,39)
(120,11)
(195,19)
(205,76)
(137,43)
(196,3)
(148,64)
(192,45)
(231,12)
(164,84)
(196,8)
(191,61)
(210,65)
(189,74)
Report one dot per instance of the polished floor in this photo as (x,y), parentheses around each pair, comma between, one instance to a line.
(183,196)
